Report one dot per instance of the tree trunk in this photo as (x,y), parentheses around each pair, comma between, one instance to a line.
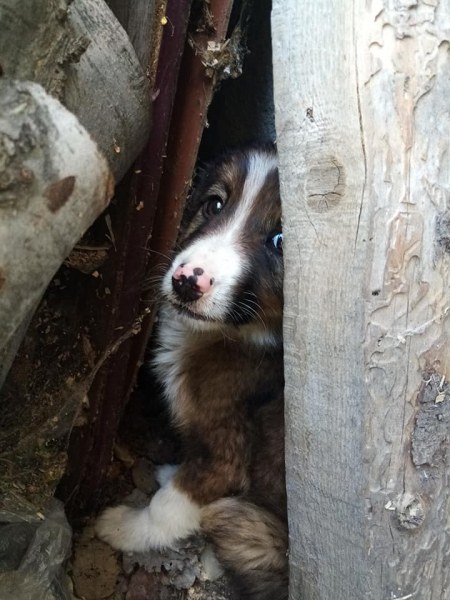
(361,95)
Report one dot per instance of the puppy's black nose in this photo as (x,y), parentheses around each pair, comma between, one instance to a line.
(186,288)
(190,283)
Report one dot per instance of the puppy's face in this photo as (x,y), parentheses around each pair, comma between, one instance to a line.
(230,268)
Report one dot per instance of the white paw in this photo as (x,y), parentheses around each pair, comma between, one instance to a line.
(165,473)
(170,516)
(121,527)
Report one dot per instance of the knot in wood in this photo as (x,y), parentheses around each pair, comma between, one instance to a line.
(59,192)
(325,184)
(443,230)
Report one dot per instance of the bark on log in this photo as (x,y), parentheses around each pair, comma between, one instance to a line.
(79,53)
(53,183)
(107,89)
(361,96)
(138,19)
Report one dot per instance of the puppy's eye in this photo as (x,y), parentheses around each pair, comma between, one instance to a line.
(276,242)
(213,206)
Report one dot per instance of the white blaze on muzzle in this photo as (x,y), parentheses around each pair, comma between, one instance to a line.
(222,264)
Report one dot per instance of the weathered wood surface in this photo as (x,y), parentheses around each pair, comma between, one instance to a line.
(107,89)
(363,125)
(53,183)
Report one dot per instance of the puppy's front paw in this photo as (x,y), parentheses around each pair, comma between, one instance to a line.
(122,528)
(170,516)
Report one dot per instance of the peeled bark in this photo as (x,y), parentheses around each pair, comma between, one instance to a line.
(53,183)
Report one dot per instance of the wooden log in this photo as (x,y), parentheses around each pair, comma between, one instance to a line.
(361,96)
(107,89)
(53,183)
(79,53)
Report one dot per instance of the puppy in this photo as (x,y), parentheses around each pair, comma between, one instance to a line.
(219,359)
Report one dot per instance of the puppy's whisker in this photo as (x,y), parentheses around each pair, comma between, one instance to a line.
(166,257)
(255,302)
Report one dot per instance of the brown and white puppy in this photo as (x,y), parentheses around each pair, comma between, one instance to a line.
(219,359)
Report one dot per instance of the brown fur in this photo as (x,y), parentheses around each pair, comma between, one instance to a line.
(218,423)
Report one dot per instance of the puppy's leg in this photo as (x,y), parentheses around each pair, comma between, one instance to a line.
(218,453)
(170,516)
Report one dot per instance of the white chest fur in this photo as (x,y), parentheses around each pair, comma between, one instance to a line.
(177,339)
